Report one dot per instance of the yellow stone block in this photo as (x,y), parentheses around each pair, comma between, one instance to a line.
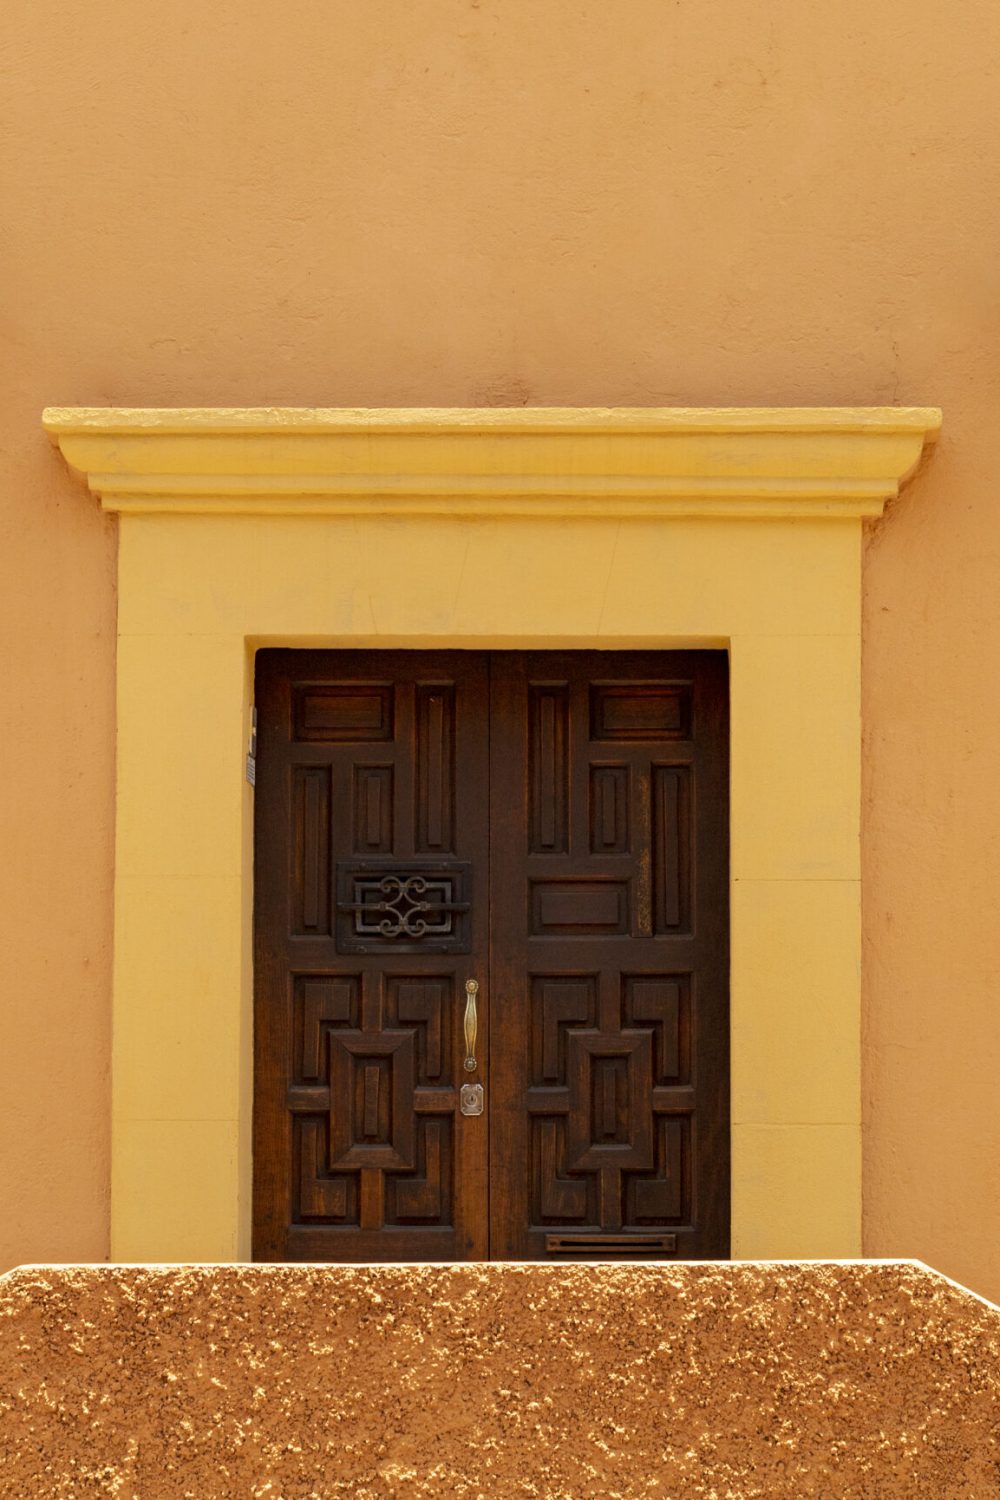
(796,1036)
(796,757)
(796,1192)
(177,1041)
(508,586)
(174,1187)
(181,754)
(702,578)
(187,575)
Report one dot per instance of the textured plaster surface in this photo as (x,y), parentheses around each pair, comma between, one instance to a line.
(299,1383)
(469,202)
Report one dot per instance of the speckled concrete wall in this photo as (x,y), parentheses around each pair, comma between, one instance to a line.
(295,1383)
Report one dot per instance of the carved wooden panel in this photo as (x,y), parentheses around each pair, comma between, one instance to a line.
(548,751)
(372,823)
(344,712)
(373,810)
(371,1137)
(609,1143)
(673,851)
(621,711)
(609,945)
(609,809)
(663,1003)
(582,907)
(311,844)
(435,753)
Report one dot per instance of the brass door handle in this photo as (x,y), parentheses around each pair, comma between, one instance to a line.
(471,1024)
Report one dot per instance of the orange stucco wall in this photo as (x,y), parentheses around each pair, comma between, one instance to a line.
(501,202)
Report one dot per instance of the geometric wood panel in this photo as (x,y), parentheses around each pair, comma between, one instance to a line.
(609,809)
(435,807)
(343,713)
(425,1195)
(673,854)
(581,908)
(311,843)
(558,1002)
(663,1003)
(373,799)
(609,1143)
(548,777)
(425,1004)
(371,1102)
(321,1001)
(639,711)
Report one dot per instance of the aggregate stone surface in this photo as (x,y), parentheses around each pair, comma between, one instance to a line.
(723,1381)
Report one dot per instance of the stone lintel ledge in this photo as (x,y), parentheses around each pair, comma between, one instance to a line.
(735,462)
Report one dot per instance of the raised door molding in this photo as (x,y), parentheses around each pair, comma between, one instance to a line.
(744,463)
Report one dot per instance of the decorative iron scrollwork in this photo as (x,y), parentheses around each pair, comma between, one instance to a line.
(397,904)
(380,906)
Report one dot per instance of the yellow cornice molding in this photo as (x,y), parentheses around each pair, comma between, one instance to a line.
(737,462)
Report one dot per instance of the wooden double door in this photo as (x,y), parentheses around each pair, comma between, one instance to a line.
(491,1015)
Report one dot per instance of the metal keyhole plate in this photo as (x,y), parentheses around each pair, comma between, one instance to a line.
(471,1099)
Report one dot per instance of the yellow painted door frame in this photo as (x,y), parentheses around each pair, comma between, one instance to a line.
(551,527)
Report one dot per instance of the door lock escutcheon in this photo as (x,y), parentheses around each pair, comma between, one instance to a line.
(470,1098)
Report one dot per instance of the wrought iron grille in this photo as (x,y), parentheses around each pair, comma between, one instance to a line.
(396,906)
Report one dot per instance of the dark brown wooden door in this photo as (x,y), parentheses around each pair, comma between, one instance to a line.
(609,1081)
(372,906)
(552,826)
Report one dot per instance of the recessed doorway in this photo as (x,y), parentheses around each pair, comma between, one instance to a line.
(491,955)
